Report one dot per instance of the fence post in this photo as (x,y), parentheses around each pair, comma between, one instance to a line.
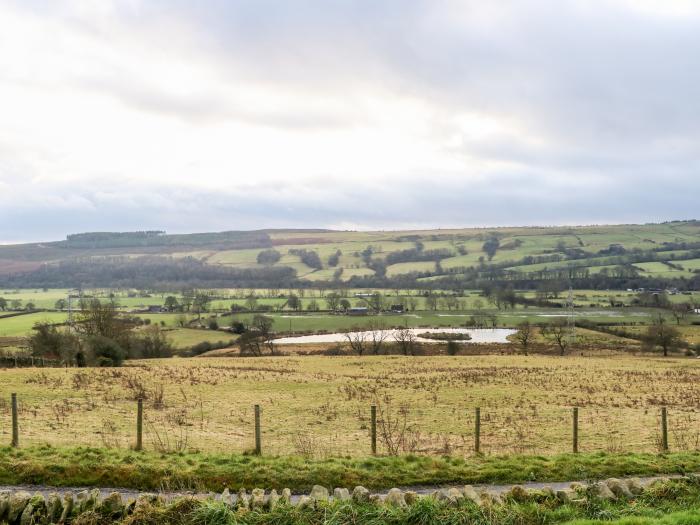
(374,429)
(258,440)
(664,429)
(139,424)
(477,430)
(575,430)
(15,422)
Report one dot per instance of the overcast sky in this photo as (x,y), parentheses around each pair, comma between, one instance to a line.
(240,114)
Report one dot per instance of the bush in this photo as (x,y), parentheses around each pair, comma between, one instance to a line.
(213,324)
(452,347)
(237,327)
(106,352)
(206,346)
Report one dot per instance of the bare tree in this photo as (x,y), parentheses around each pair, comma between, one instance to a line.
(378,334)
(375,302)
(558,331)
(661,334)
(358,341)
(524,335)
(259,338)
(406,340)
(680,311)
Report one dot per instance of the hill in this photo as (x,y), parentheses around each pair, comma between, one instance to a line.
(611,256)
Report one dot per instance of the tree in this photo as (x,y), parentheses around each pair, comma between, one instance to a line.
(171,303)
(334,258)
(378,334)
(661,334)
(47,341)
(268,257)
(524,335)
(251,302)
(452,347)
(294,302)
(406,340)
(106,351)
(102,319)
(61,304)
(151,343)
(431,301)
(357,341)
(345,304)
(332,301)
(30,307)
(16,304)
(200,304)
(3,304)
(491,246)
(680,311)
(375,302)
(259,338)
(558,331)
(313,306)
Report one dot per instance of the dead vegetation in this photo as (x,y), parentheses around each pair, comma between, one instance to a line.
(319,406)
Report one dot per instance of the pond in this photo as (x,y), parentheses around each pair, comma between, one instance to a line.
(478,335)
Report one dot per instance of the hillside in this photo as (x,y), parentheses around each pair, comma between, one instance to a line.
(666,254)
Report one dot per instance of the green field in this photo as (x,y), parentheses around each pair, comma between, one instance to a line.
(460,248)
(22,325)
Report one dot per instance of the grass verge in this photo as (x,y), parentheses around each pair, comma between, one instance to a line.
(672,503)
(83,466)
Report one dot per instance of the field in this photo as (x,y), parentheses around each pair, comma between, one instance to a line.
(601,247)
(319,406)
(591,305)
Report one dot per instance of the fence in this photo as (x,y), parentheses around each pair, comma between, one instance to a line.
(381,429)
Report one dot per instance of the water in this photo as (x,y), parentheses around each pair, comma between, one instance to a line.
(478,335)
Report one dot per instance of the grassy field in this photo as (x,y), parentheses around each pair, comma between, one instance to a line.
(319,406)
(22,324)
(187,337)
(462,248)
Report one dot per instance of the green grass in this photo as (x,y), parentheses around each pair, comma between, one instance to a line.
(22,325)
(84,466)
(187,337)
(673,502)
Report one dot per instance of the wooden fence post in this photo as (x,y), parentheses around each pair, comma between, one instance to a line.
(373,428)
(258,440)
(664,429)
(575,430)
(139,424)
(15,422)
(477,430)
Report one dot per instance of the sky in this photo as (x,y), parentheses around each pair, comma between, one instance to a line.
(367,114)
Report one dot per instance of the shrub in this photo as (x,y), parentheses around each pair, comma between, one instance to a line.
(106,352)
(452,347)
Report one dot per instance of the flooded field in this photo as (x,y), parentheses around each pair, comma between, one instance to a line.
(478,335)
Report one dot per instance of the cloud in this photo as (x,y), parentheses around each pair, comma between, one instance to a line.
(263,113)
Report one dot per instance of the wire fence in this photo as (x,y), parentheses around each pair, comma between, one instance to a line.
(346,429)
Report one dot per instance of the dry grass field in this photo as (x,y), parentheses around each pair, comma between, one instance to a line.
(319,406)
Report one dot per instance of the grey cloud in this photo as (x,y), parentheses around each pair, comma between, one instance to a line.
(606,97)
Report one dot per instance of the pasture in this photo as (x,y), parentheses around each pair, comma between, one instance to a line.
(518,249)
(319,406)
